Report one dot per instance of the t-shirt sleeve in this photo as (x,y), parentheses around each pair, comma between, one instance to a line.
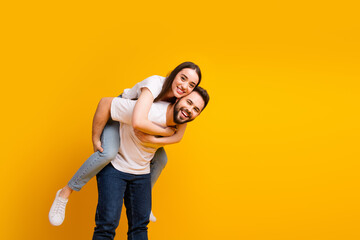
(153,83)
(122,109)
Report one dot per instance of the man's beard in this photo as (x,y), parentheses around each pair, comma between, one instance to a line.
(177,113)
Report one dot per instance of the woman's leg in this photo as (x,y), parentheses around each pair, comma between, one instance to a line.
(157,164)
(110,142)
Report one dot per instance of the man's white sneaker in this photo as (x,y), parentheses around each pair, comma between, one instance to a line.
(57,210)
(152,217)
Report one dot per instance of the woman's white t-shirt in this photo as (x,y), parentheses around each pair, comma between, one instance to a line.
(153,83)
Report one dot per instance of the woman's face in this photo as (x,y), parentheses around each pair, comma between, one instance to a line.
(185,81)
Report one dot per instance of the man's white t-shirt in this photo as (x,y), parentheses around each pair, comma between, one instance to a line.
(153,83)
(133,156)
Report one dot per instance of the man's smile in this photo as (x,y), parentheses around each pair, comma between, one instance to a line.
(185,113)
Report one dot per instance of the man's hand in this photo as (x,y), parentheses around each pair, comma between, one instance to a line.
(97,145)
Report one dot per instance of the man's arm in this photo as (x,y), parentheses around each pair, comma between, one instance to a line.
(101,117)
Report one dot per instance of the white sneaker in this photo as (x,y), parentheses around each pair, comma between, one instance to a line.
(152,217)
(57,210)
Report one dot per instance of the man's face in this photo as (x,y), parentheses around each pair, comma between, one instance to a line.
(188,108)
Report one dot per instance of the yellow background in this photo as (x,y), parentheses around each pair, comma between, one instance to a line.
(275,156)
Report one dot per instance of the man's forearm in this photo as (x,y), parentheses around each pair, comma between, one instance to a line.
(101,117)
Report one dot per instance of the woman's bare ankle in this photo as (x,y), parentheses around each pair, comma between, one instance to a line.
(65,192)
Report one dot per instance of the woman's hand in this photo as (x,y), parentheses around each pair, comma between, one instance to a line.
(144,137)
(169,131)
(147,139)
(97,145)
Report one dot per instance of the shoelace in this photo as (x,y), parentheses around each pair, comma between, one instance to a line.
(60,207)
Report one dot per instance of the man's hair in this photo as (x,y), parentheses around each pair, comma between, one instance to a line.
(204,94)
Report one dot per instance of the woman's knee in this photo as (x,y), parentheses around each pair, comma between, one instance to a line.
(110,140)
(108,153)
(160,157)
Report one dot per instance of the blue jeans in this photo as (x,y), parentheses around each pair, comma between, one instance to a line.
(110,142)
(113,187)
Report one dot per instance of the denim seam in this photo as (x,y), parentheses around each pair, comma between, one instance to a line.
(76,181)
(132,214)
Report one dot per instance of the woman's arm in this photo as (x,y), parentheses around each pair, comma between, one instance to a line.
(147,138)
(140,119)
(101,117)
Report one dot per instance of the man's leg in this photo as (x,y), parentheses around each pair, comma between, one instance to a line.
(137,201)
(111,188)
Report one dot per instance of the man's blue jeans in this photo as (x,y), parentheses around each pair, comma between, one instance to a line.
(113,187)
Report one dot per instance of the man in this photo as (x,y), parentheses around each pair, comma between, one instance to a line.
(128,175)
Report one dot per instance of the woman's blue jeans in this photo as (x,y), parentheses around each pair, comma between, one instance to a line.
(110,142)
(113,187)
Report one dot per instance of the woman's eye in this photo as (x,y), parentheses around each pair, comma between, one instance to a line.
(192,85)
(182,78)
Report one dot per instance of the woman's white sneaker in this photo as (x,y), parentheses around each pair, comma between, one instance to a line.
(152,217)
(57,210)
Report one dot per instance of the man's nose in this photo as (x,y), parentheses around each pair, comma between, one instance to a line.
(192,112)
